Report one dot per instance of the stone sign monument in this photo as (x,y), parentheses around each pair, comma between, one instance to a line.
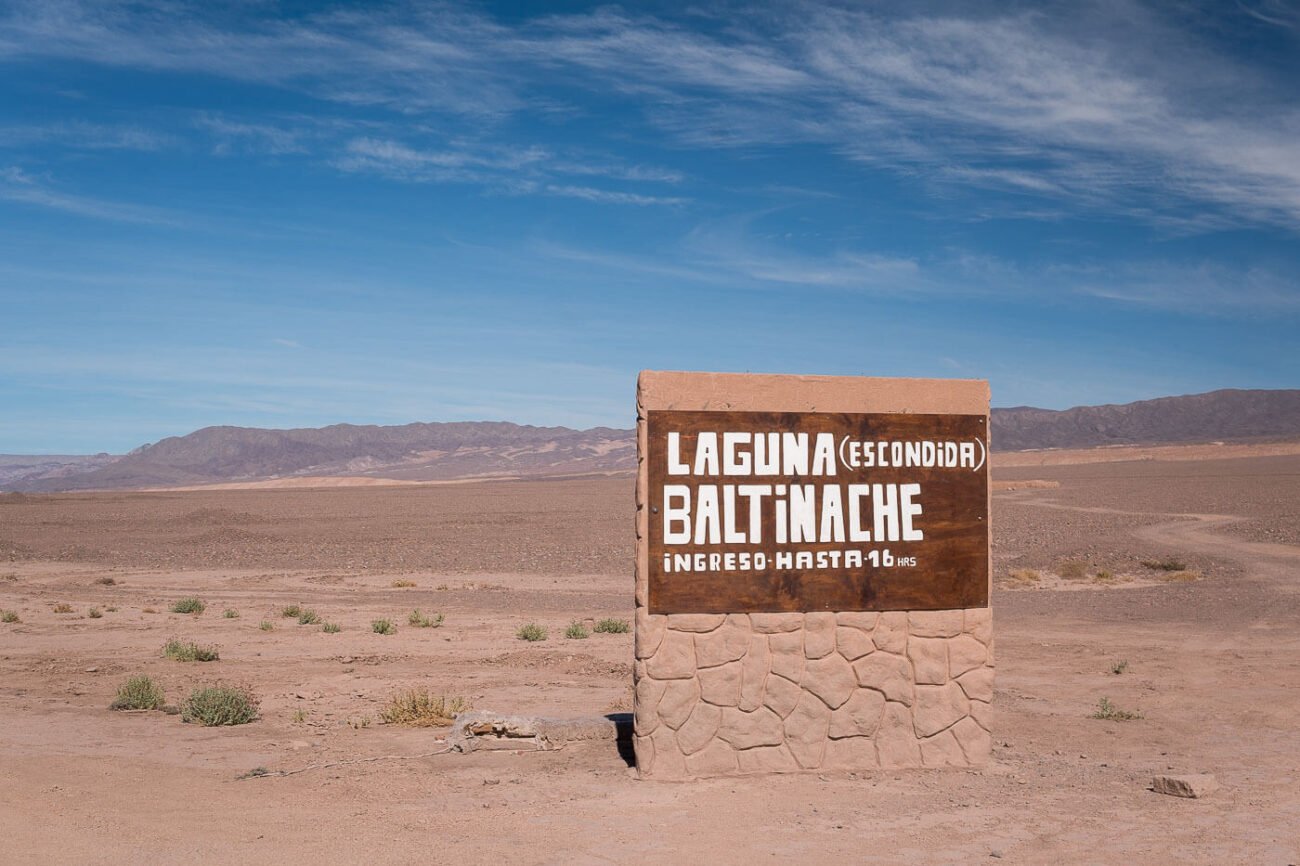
(812,575)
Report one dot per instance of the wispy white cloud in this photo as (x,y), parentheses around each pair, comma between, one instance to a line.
(1278,13)
(400,161)
(737,254)
(86,136)
(233,135)
(511,170)
(1196,288)
(1016,103)
(17,185)
(407,59)
(608,168)
(1142,121)
(641,53)
(730,246)
(606,196)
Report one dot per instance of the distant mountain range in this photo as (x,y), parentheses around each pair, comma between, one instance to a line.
(410,452)
(1219,416)
(463,450)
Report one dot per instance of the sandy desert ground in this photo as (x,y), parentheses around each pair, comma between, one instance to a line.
(1212,652)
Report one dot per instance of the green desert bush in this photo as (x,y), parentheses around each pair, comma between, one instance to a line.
(138,693)
(612,626)
(382,626)
(267,625)
(576,631)
(418,708)
(230,613)
(1108,711)
(419,620)
(188,651)
(220,705)
(188,605)
(331,628)
(308,617)
(531,632)
(292,611)
(9,616)
(1168,563)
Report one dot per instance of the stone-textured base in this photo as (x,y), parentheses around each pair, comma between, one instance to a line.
(729,694)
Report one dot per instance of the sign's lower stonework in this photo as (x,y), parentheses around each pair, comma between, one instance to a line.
(812,581)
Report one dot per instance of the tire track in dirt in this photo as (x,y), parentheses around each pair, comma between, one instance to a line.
(1277,564)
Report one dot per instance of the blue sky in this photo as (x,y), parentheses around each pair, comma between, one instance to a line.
(296,214)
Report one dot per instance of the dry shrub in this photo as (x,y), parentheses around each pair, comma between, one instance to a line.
(419,620)
(1111,713)
(214,706)
(612,626)
(531,632)
(138,693)
(1186,576)
(1168,563)
(188,605)
(418,708)
(1072,569)
(189,651)
(1024,576)
(403,584)
(63,607)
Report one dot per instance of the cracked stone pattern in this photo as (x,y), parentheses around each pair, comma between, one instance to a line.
(723,695)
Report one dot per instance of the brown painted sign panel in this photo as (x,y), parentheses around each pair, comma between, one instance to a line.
(768,511)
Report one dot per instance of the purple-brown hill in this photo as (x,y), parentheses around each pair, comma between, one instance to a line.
(1228,415)
(445,451)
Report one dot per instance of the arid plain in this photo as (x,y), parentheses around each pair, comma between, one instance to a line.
(1181,574)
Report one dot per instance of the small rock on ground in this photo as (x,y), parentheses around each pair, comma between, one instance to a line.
(1193,786)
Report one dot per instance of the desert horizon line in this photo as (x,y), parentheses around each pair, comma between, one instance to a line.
(563,427)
